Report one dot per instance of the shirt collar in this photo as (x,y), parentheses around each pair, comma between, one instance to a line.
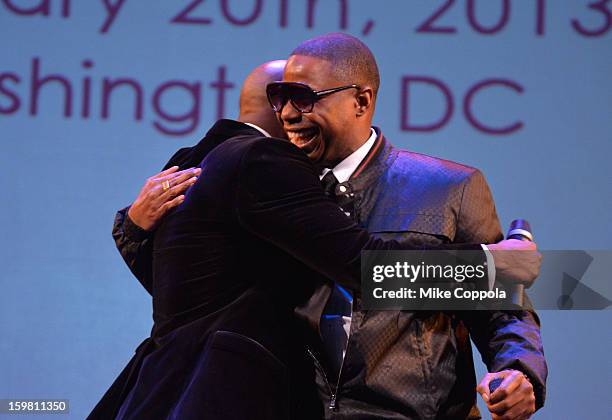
(343,170)
(258,128)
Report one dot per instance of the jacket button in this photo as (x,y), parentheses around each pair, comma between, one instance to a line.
(429,412)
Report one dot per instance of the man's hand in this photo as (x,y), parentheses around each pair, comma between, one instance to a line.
(159,194)
(513,400)
(516,261)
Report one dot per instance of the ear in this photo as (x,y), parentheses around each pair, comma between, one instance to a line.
(365,101)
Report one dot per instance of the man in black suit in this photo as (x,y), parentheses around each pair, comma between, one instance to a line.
(229,271)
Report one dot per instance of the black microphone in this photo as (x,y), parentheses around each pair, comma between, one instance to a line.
(521,230)
(494,384)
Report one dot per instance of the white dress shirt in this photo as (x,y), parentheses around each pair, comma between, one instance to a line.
(336,318)
(258,128)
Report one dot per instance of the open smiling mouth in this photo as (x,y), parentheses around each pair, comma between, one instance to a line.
(305,139)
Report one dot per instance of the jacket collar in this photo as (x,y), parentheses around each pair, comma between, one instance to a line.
(218,133)
(230,128)
(379,158)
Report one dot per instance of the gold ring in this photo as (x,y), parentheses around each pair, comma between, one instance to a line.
(165,185)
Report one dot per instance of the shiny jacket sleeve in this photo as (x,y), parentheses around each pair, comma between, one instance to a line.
(505,339)
(280,199)
(136,248)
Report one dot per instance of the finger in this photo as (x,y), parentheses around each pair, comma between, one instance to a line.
(184,173)
(186,181)
(181,176)
(483,387)
(177,178)
(179,188)
(171,204)
(155,178)
(166,172)
(157,190)
(152,193)
(512,380)
(502,408)
(518,412)
(489,377)
(176,190)
(522,397)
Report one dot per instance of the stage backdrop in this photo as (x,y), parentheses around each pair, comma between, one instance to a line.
(95,96)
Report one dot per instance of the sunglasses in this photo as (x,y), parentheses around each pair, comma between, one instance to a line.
(301,96)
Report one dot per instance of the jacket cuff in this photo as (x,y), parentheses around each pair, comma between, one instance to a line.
(539,390)
(132,231)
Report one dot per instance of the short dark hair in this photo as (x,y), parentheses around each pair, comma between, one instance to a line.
(352,60)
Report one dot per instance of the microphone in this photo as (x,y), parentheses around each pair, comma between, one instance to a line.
(494,384)
(521,230)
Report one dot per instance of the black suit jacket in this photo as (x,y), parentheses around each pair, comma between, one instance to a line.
(228,271)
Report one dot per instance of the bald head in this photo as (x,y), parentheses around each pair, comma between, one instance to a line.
(254,106)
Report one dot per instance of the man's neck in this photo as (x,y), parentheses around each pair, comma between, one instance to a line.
(345,168)
(360,138)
